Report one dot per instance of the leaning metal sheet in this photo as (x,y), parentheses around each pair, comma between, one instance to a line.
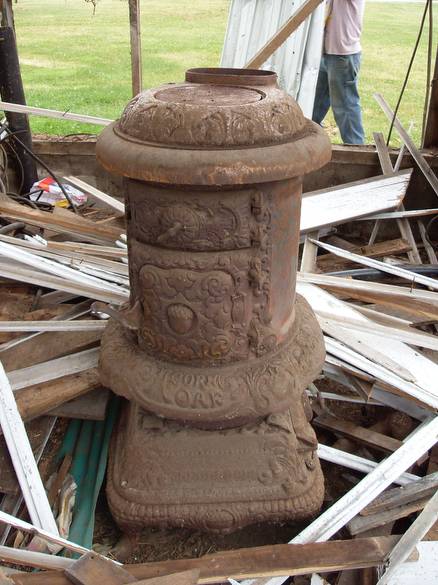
(252,23)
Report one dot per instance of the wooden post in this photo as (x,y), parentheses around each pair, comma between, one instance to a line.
(135,31)
(291,25)
(7,14)
(431,131)
(11,90)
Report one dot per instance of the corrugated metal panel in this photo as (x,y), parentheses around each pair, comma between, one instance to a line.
(251,23)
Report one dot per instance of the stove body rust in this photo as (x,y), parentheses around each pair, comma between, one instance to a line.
(215,350)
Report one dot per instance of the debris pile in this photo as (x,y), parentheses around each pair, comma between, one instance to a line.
(375,403)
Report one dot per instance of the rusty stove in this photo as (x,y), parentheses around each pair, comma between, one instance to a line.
(215,349)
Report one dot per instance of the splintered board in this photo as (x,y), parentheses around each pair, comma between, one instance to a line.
(352,200)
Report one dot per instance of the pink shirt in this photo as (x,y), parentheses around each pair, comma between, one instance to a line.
(343,26)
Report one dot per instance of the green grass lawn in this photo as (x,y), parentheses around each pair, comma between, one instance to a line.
(72,60)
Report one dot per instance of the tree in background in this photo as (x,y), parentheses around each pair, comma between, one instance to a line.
(94,3)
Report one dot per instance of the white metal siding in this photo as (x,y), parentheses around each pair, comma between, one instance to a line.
(251,23)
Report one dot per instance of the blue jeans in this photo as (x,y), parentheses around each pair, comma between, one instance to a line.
(337,87)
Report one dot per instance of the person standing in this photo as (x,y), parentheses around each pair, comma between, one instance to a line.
(337,84)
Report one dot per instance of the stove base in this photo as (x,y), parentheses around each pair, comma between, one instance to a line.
(215,396)
(167,475)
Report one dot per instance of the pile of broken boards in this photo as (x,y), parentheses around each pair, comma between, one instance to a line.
(375,403)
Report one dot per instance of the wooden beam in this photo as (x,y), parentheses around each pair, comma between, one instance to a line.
(424,487)
(67,223)
(332,263)
(390,380)
(383,153)
(265,561)
(135,36)
(39,399)
(65,313)
(357,433)
(361,524)
(46,347)
(90,406)
(290,26)
(92,569)
(190,577)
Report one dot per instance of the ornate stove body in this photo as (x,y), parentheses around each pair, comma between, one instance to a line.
(215,349)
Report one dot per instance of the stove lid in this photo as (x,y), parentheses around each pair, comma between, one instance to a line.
(204,121)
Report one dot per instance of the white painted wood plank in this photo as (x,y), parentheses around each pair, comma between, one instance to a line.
(416,154)
(68,257)
(310,252)
(348,398)
(401,360)
(109,201)
(383,318)
(408,275)
(349,284)
(332,361)
(339,375)
(429,398)
(24,274)
(412,337)
(403,224)
(85,325)
(351,461)
(422,572)
(402,403)
(45,113)
(400,214)
(386,472)
(51,537)
(410,539)
(23,459)
(45,371)
(372,485)
(352,200)
(30,558)
(46,265)
(75,312)
(406,233)
(361,344)
(84,248)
